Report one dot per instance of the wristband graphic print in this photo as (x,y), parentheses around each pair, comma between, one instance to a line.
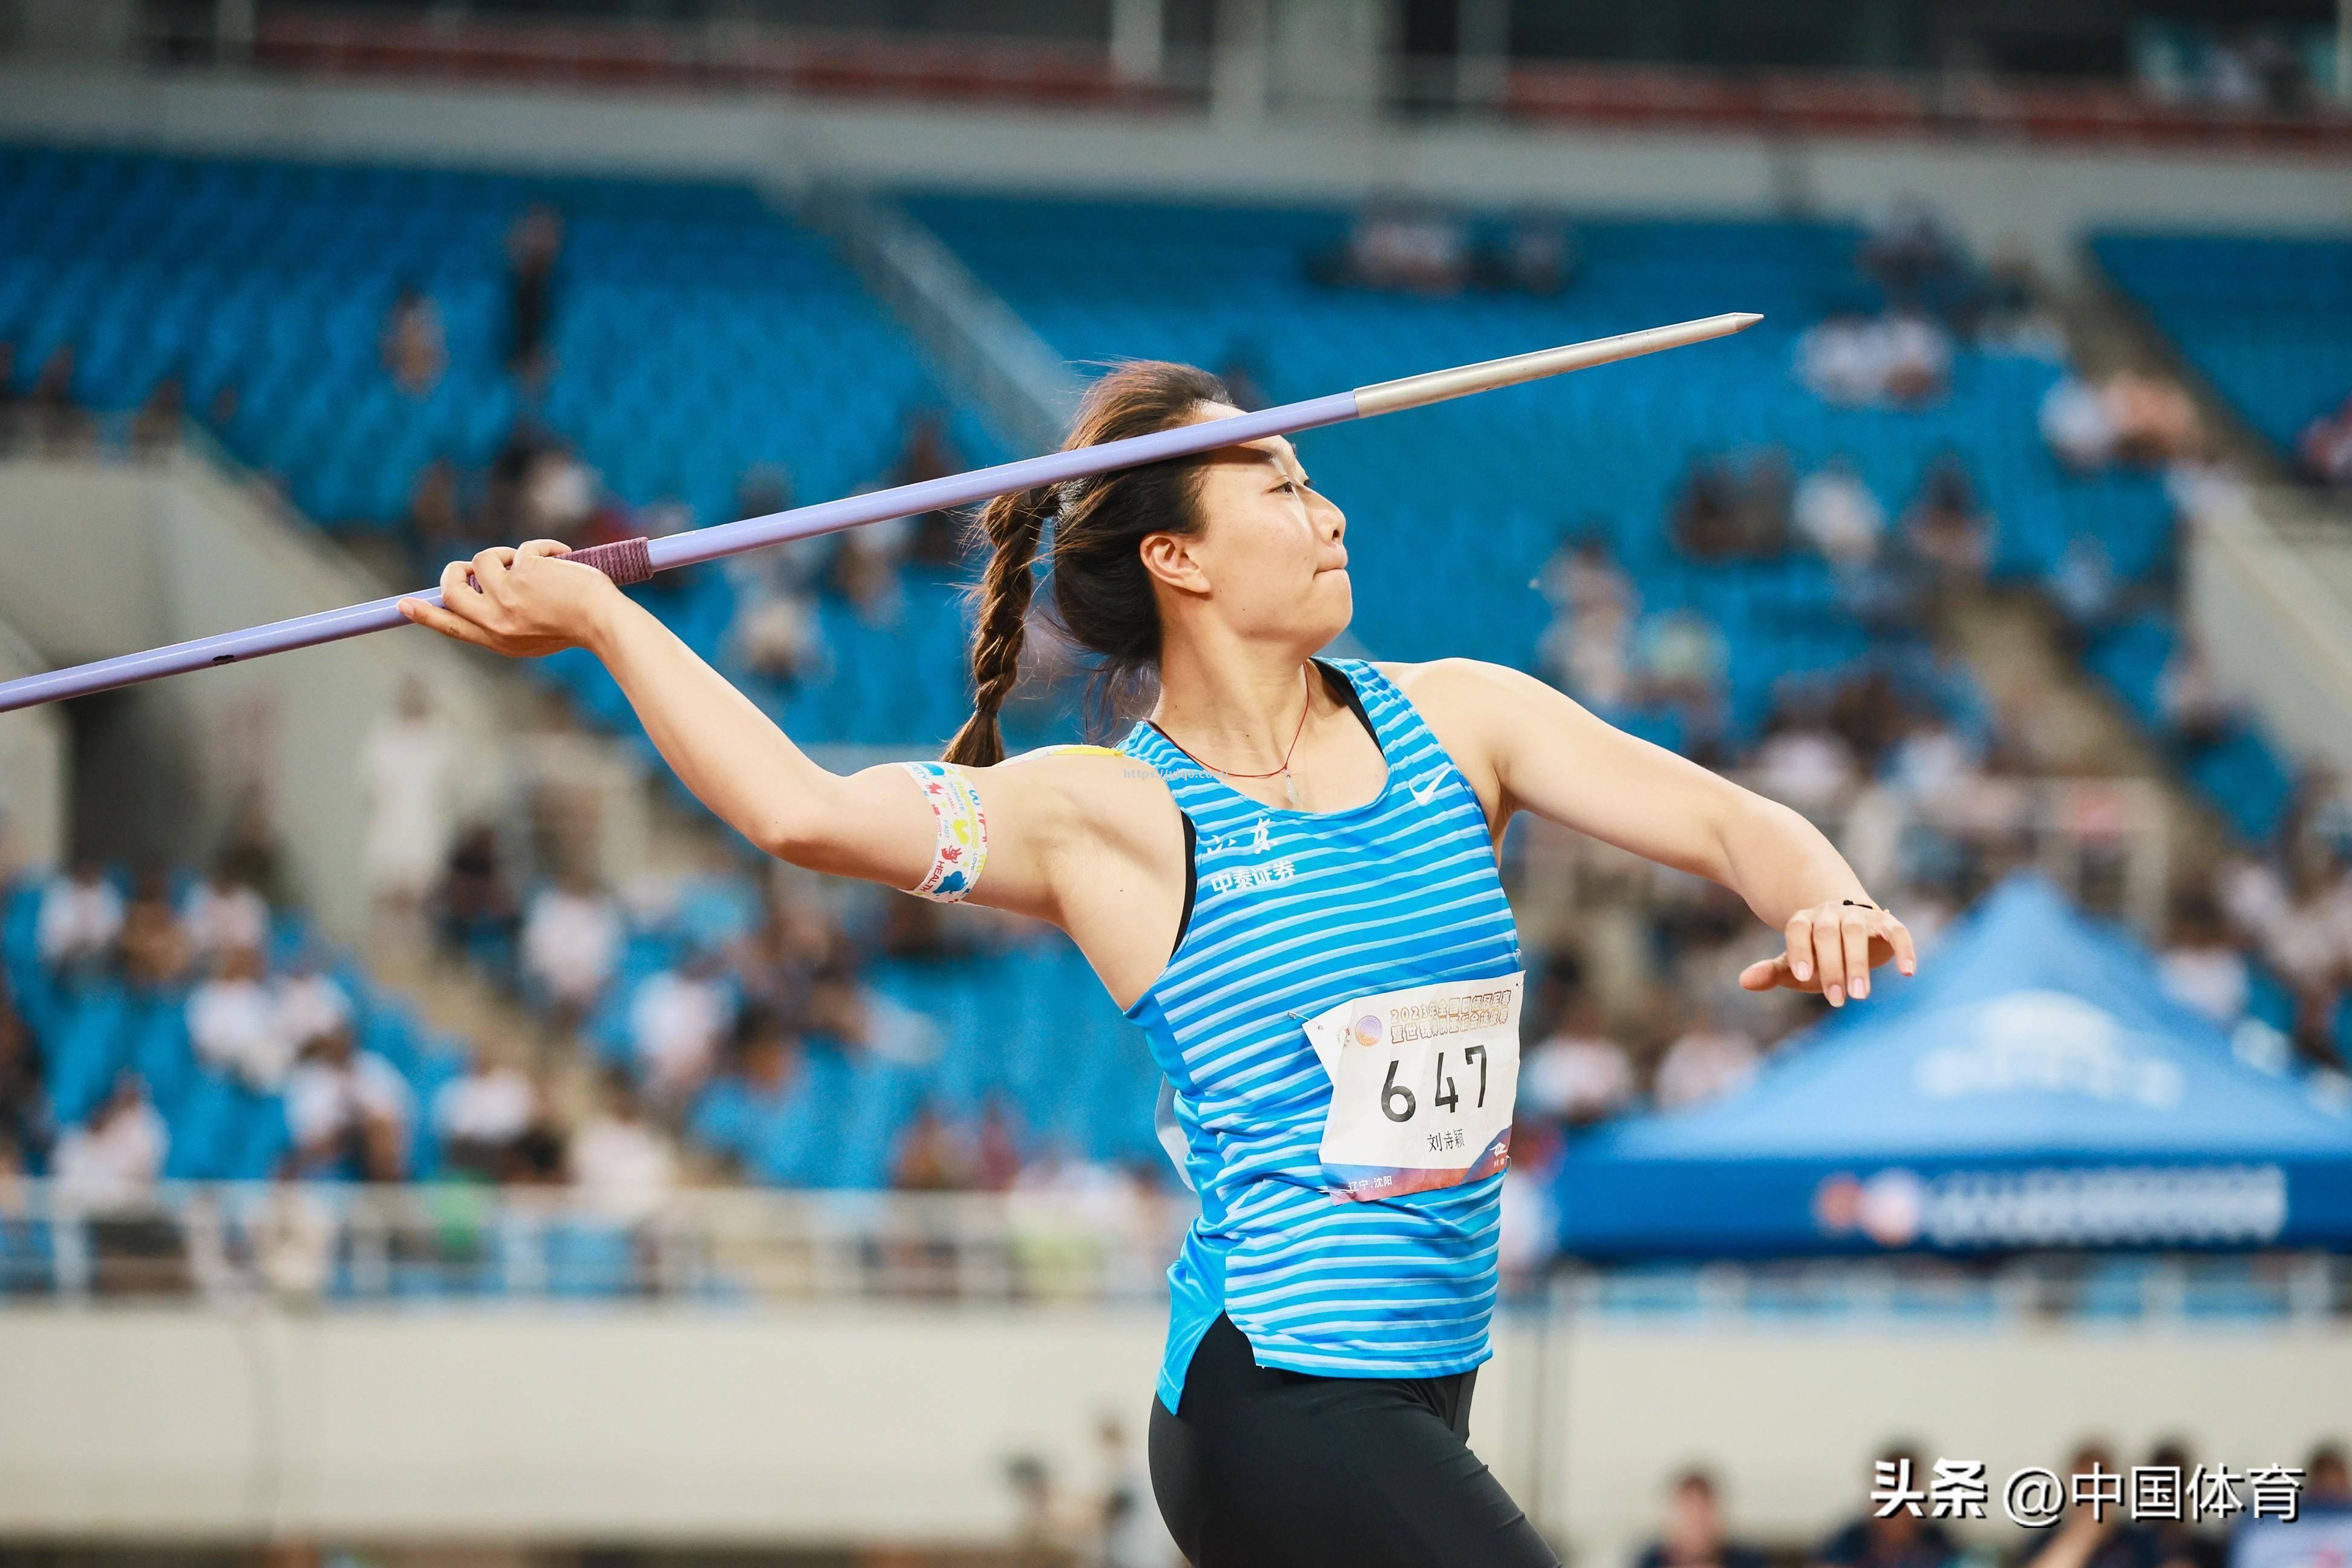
(960,847)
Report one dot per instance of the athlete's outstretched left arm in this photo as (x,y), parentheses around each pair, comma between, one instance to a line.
(1528,747)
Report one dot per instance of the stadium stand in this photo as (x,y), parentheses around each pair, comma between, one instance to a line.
(701,335)
(2268,320)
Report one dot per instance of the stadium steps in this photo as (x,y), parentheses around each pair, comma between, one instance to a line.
(2010,637)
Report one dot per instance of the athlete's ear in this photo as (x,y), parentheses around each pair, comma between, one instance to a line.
(1171,558)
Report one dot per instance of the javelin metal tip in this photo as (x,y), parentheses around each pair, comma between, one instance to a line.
(1437,385)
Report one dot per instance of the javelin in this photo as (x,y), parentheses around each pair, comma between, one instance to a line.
(631,561)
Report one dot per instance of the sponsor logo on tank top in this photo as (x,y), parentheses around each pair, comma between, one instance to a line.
(1244,878)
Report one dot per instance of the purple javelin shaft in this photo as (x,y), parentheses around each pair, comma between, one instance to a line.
(700,544)
(633,560)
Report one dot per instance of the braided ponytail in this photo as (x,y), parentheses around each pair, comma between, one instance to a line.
(1103,598)
(1014,524)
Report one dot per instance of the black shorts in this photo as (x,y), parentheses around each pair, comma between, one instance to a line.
(1291,1470)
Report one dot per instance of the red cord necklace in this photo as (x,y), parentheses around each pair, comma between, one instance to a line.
(1289,786)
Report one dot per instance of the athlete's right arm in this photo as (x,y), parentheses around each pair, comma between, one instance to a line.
(1045,817)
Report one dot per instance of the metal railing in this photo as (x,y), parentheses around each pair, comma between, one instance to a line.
(338,1242)
(312,1245)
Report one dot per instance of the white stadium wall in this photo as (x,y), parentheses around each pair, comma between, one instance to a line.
(893,1423)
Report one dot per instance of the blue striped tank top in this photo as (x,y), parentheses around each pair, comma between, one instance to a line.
(1294,913)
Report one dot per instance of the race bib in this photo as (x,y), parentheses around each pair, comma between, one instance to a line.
(1423,1084)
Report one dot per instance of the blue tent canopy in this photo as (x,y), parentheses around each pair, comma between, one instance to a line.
(2031,1086)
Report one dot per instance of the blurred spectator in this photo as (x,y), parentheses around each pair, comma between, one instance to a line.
(739,1114)
(2326,1480)
(252,854)
(235,1024)
(2086,592)
(407,779)
(2078,424)
(863,572)
(62,427)
(571,941)
(1913,254)
(1587,650)
(557,495)
(81,920)
(1763,503)
(483,1117)
(1853,359)
(1933,762)
(476,909)
(2196,708)
(934,539)
(1527,1223)
(294,1247)
(1129,1519)
(1044,1533)
(2203,965)
(1693,1536)
(157,427)
(676,1021)
(929,1157)
(623,1167)
(1401,246)
(2144,421)
(437,530)
(311,1005)
(413,350)
(2175,1543)
(156,953)
(1707,1060)
(533,247)
(2326,445)
(1579,1074)
(2154,421)
(1534,254)
(775,633)
(862,1020)
(1834,512)
(1900,1539)
(1705,523)
(996,1152)
(110,1163)
(221,914)
(2014,318)
(24,1097)
(1948,530)
(348,1108)
(2087,1535)
(1802,761)
(1683,660)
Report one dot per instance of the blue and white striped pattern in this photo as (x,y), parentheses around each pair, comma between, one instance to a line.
(1295,912)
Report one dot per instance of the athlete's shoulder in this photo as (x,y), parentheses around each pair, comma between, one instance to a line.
(1099,781)
(1453,682)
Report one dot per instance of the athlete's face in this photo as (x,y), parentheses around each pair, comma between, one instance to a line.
(1269,561)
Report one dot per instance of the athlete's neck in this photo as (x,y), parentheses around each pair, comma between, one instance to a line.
(1235,706)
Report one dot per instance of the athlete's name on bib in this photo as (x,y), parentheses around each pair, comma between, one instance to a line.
(1449,1015)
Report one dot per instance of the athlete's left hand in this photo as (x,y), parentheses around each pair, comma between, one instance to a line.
(1833,947)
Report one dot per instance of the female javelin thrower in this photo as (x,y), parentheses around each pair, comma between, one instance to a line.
(1286,874)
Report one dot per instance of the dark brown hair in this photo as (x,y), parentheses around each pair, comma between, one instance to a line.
(1102,597)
